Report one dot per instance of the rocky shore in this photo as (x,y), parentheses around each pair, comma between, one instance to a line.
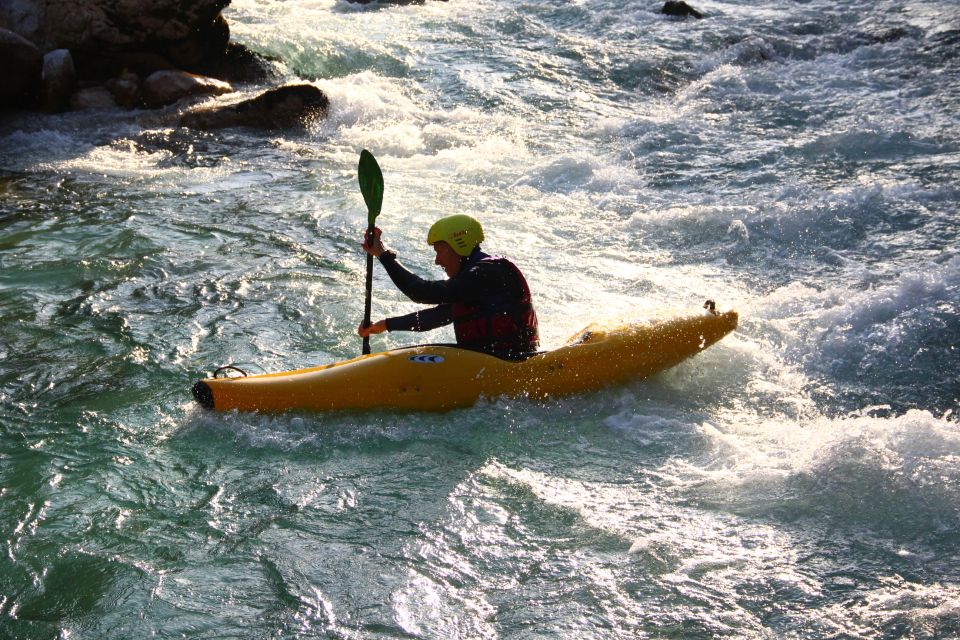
(62,55)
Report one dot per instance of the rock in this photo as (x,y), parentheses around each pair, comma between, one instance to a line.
(125,89)
(240,64)
(21,68)
(280,108)
(92,98)
(22,16)
(163,88)
(119,42)
(207,44)
(113,24)
(680,8)
(105,36)
(102,66)
(59,79)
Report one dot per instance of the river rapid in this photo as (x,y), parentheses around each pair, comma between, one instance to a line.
(798,162)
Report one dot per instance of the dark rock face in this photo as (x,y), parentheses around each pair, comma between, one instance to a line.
(21,66)
(107,36)
(205,46)
(104,54)
(680,8)
(281,108)
(125,89)
(240,64)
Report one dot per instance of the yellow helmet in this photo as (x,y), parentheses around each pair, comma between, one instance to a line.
(460,231)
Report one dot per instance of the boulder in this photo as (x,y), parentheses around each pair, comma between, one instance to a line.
(92,98)
(680,8)
(205,45)
(241,64)
(281,108)
(163,88)
(106,36)
(21,68)
(23,17)
(125,89)
(103,65)
(59,79)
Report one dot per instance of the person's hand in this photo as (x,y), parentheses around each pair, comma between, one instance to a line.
(365,331)
(374,246)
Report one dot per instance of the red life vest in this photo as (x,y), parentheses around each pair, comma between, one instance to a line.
(503,325)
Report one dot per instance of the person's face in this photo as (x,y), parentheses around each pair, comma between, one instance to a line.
(447,258)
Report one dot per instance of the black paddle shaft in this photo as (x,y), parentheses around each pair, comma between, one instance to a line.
(371,186)
(369,295)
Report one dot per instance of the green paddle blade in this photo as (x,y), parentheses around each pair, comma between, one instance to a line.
(371,184)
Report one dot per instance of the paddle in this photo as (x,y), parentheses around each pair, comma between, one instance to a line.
(371,186)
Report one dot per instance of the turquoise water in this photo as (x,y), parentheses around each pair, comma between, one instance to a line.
(801,479)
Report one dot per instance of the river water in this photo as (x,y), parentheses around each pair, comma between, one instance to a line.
(798,162)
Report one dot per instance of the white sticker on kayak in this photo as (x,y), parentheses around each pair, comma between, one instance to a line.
(426,359)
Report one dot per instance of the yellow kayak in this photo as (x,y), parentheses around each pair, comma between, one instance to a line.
(444,377)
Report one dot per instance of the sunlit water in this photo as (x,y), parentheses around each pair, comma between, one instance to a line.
(796,161)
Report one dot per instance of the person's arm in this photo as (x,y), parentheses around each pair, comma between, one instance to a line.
(412,285)
(420,290)
(417,321)
(424,320)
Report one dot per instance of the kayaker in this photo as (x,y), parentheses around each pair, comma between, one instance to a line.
(485,297)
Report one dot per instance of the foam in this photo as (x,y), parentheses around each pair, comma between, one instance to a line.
(899,473)
(370,111)
(366,97)
(752,50)
(37,148)
(870,141)
(859,309)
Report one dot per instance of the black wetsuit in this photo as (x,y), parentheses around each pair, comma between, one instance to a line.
(485,287)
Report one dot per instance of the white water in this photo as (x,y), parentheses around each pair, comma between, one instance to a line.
(798,163)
